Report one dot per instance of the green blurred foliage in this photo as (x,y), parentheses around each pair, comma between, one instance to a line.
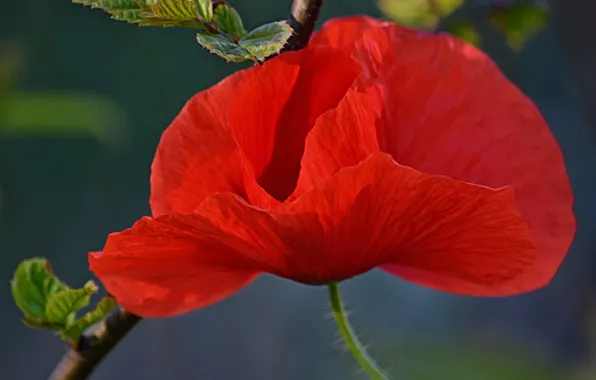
(519,22)
(464,363)
(47,114)
(61,114)
(465,31)
(516,21)
(419,13)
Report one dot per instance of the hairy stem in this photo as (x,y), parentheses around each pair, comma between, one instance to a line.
(368,364)
(82,360)
(303,20)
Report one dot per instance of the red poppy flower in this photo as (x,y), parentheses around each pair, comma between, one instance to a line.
(377,146)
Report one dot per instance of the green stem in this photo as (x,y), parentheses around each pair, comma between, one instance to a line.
(368,364)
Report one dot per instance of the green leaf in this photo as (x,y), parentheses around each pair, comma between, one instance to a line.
(62,306)
(123,10)
(223,47)
(266,40)
(48,303)
(32,285)
(62,114)
(228,20)
(465,31)
(418,13)
(164,13)
(101,311)
(174,10)
(519,23)
(204,9)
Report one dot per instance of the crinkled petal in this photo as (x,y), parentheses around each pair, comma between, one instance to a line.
(342,32)
(375,213)
(341,137)
(174,264)
(197,155)
(450,111)
(379,212)
(274,109)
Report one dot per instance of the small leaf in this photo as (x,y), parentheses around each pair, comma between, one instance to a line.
(50,304)
(267,39)
(465,31)
(418,13)
(174,10)
(101,311)
(228,20)
(33,284)
(163,13)
(519,23)
(63,306)
(223,47)
(123,10)
(204,9)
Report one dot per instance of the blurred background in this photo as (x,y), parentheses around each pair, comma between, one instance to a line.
(83,102)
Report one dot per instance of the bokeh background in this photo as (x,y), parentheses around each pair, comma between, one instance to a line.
(83,102)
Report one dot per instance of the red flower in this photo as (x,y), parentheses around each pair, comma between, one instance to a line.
(377,146)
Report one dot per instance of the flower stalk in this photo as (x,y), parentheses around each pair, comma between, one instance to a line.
(368,364)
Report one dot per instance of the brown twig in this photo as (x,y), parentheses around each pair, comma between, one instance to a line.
(80,361)
(303,20)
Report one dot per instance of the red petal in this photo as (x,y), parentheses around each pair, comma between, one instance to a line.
(342,32)
(177,263)
(342,137)
(371,214)
(450,111)
(197,156)
(379,212)
(277,105)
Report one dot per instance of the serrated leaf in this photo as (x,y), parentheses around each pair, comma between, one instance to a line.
(519,23)
(223,47)
(62,306)
(228,20)
(32,285)
(204,9)
(174,10)
(266,40)
(122,10)
(418,13)
(465,31)
(78,327)
(164,13)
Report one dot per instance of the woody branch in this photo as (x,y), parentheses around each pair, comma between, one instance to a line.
(303,20)
(82,359)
